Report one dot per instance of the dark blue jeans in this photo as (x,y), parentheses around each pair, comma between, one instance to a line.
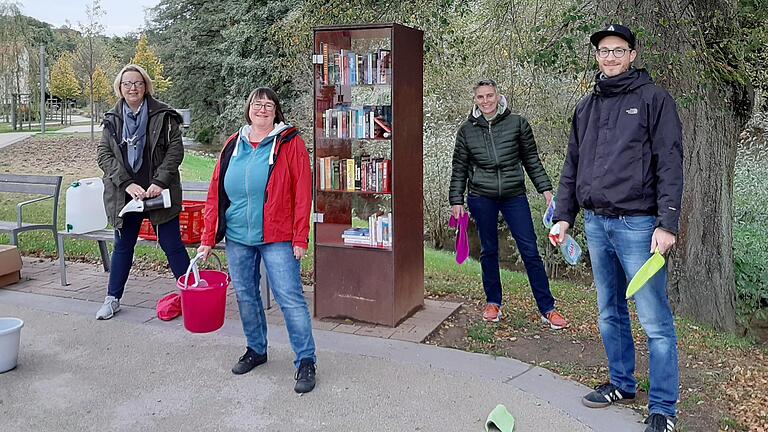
(169,237)
(517,214)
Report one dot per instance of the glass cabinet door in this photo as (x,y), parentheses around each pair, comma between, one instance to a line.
(353,138)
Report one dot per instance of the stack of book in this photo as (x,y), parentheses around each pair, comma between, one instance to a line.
(378,233)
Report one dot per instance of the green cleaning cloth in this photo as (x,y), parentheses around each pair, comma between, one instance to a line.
(500,420)
(646,272)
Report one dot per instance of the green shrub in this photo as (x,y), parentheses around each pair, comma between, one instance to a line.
(750,212)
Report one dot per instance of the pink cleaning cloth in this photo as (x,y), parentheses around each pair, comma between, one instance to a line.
(462,239)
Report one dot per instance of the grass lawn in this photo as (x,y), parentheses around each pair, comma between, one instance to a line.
(6,127)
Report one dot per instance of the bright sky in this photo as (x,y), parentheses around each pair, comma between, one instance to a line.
(121,16)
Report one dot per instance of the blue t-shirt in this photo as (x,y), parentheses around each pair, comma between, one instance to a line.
(246,183)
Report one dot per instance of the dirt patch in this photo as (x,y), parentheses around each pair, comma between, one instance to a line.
(712,381)
(71,156)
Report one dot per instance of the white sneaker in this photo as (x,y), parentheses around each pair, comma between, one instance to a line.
(108,309)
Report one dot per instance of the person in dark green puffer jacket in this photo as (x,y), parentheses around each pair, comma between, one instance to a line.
(493,146)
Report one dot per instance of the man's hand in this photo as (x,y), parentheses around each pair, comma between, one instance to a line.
(299,252)
(548,196)
(662,240)
(457,211)
(135,191)
(563,231)
(153,191)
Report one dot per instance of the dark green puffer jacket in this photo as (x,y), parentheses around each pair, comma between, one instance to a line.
(490,158)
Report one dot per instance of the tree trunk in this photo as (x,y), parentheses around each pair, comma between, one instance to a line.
(713,108)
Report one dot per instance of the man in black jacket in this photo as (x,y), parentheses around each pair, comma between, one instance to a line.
(624,167)
(493,147)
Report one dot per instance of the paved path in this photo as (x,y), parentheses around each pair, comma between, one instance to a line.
(81,129)
(9,138)
(137,373)
(88,282)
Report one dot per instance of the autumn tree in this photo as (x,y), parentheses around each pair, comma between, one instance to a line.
(64,82)
(146,58)
(102,88)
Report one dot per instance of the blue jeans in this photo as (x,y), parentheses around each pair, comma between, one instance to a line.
(618,247)
(284,272)
(517,214)
(169,237)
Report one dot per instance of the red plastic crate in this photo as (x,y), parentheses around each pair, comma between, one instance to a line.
(190,222)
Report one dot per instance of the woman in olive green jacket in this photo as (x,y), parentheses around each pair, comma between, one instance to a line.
(140,153)
(493,147)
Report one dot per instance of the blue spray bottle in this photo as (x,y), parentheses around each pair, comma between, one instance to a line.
(569,248)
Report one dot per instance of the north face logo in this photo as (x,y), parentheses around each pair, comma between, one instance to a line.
(632,111)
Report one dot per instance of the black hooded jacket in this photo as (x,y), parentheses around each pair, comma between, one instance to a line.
(625,153)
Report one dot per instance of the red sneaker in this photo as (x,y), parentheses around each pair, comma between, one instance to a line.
(492,313)
(555,320)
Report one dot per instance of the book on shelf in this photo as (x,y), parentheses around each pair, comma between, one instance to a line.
(382,129)
(357,122)
(346,67)
(361,173)
(378,233)
(350,174)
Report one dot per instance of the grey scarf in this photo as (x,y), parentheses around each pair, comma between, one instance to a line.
(135,134)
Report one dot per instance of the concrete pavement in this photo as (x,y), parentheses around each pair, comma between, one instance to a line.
(80,129)
(9,138)
(137,373)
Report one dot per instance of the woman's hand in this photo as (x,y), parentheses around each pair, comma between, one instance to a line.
(206,250)
(135,191)
(299,252)
(153,191)
(457,211)
(548,196)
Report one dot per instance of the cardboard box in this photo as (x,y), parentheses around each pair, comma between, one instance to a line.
(10,265)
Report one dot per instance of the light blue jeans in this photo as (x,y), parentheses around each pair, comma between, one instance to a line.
(618,247)
(284,272)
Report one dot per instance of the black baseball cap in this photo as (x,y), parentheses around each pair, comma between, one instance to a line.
(614,30)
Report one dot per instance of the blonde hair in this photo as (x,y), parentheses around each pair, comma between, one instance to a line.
(148,88)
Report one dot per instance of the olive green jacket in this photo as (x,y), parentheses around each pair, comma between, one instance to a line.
(166,153)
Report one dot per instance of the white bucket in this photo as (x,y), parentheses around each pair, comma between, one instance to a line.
(10,336)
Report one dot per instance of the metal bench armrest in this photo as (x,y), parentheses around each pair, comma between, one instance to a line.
(22,204)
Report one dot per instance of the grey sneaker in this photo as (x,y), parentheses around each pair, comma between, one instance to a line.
(108,309)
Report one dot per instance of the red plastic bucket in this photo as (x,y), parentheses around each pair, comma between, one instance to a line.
(203,307)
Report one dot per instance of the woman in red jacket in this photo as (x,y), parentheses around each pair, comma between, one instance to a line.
(259,199)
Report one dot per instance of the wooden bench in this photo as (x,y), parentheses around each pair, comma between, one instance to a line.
(48,186)
(197,191)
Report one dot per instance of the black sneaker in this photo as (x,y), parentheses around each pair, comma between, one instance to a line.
(248,361)
(604,395)
(305,377)
(660,423)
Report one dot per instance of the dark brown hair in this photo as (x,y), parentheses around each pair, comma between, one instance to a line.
(264,92)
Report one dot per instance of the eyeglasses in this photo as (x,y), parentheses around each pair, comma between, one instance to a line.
(128,84)
(617,52)
(257,106)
